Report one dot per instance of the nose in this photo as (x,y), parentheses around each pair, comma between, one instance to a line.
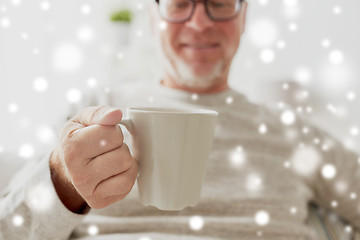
(199,21)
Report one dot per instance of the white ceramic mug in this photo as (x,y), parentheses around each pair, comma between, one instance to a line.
(172,147)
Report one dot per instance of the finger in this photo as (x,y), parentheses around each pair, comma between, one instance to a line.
(90,142)
(108,165)
(118,184)
(102,115)
(101,203)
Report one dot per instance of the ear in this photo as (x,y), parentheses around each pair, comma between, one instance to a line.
(243,16)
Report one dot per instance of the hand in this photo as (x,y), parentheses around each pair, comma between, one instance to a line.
(91,164)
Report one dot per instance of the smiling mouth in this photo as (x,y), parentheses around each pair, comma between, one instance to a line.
(201,46)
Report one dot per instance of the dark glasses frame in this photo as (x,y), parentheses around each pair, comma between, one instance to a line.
(193,2)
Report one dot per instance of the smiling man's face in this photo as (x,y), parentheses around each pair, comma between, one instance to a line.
(198,52)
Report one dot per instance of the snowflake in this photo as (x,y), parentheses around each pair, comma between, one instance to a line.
(93,230)
(253,183)
(13,107)
(262,218)
(287,164)
(140,6)
(285,86)
(40,84)
(263,2)
(303,75)
(325,43)
(281,44)
(67,57)
(290,3)
(302,95)
(45,134)
(293,210)
(102,143)
(288,117)
(305,160)
(337,10)
(16,2)
(263,128)
(120,56)
(267,55)
(91,82)
(18,220)
(85,34)
(73,95)
(45,5)
(229,100)
(263,32)
(40,198)
(341,187)
(280,105)
(24,36)
(238,157)
(85,9)
(293,27)
(194,97)
(196,223)
(336,57)
(36,51)
(26,150)
(328,171)
(351,96)
(163,25)
(348,229)
(354,131)
(353,195)
(5,22)
(144,238)
(305,130)
(139,33)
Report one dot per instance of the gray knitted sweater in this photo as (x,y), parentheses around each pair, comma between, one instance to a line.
(266,166)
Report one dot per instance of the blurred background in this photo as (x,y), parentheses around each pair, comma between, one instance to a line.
(302,53)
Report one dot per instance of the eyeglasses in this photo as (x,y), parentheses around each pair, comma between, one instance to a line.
(179,11)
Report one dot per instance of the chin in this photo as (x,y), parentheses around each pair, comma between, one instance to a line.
(196,78)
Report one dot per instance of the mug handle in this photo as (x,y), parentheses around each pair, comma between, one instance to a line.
(127,123)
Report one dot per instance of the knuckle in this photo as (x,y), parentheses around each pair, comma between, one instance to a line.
(128,183)
(127,162)
(96,204)
(124,186)
(96,112)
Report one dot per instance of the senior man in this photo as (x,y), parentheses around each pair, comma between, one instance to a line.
(261,175)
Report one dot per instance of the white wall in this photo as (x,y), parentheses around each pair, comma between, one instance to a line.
(68,45)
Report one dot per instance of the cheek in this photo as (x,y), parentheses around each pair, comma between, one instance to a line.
(169,37)
(231,33)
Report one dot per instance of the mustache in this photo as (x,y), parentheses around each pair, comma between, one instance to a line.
(207,36)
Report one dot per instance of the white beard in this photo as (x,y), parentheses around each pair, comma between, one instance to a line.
(183,74)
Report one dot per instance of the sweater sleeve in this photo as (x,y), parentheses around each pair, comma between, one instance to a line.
(29,206)
(335,177)
(31,209)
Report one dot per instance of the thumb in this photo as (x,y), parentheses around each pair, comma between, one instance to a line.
(103,115)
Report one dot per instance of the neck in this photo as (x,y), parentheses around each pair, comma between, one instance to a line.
(167,81)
